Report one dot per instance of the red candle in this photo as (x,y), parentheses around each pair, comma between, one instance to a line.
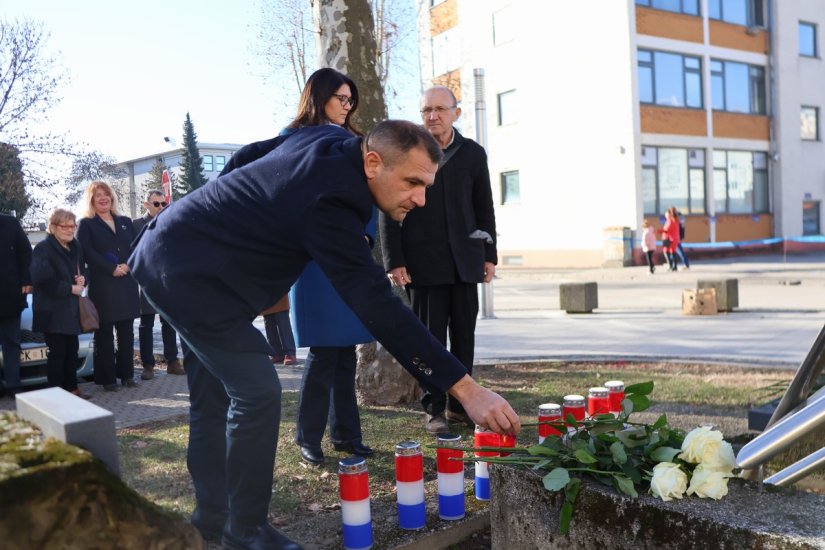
(598,402)
(615,393)
(573,404)
(507,440)
(548,412)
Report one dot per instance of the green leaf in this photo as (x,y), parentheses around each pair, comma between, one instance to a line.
(571,490)
(627,406)
(556,479)
(604,427)
(584,457)
(541,450)
(640,402)
(625,485)
(642,388)
(565,517)
(664,454)
(660,423)
(571,420)
(618,453)
(633,473)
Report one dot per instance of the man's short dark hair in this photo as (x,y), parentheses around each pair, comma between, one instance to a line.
(393,139)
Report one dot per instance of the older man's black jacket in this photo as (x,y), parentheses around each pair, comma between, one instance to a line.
(15,261)
(216,258)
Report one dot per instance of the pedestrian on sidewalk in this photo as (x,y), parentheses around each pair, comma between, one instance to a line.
(670,238)
(649,244)
(15,283)
(681,249)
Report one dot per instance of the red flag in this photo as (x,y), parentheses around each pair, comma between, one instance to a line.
(167,186)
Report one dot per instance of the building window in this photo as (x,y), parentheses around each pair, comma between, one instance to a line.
(220,162)
(740,182)
(670,79)
(809,119)
(690,7)
(207,163)
(446,54)
(510,192)
(807,39)
(504,26)
(507,108)
(737,87)
(810,218)
(673,177)
(750,13)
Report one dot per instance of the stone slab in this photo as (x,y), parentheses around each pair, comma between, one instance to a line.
(700,301)
(68,418)
(727,292)
(578,297)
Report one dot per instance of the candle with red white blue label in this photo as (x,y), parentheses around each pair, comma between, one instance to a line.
(450,477)
(548,412)
(353,487)
(573,405)
(484,438)
(507,440)
(409,485)
(615,393)
(598,402)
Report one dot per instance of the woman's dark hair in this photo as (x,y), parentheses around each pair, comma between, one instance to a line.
(320,87)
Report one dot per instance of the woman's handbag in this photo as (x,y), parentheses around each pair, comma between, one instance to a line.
(89,319)
(666,243)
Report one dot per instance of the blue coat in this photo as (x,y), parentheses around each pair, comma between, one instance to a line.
(116,298)
(54,307)
(216,258)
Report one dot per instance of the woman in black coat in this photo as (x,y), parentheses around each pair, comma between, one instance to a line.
(106,239)
(57,272)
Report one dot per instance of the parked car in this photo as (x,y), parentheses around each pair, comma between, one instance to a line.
(34,352)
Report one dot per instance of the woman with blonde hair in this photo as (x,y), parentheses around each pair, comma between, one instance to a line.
(106,238)
(58,276)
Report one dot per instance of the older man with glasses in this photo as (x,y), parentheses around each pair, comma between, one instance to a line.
(155,202)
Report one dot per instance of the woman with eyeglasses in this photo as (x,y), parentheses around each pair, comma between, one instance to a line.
(106,238)
(58,274)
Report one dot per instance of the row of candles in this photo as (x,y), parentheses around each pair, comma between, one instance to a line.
(353,477)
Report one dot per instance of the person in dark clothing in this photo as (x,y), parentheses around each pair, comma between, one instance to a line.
(214,260)
(15,283)
(442,251)
(155,202)
(106,239)
(58,276)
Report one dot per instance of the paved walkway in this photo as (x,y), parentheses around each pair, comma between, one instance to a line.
(782,309)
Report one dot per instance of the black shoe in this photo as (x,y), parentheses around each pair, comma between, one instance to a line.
(312,456)
(130,383)
(148,372)
(110,387)
(210,526)
(263,537)
(354,448)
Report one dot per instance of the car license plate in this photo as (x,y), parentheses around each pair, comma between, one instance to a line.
(32,355)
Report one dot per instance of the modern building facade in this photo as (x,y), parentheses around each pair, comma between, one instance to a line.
(602,113)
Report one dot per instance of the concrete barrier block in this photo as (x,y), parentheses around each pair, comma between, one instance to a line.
(699,302)
(578,297)
(727,292)
(68,418)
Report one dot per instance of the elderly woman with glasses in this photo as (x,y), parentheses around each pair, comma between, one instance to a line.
(58,274)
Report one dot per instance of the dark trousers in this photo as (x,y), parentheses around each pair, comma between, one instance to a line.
(147,344)
(649,256)
(61,366)
(672,259)
(10,344)
(234,418)
(108,365)
(279,332)
(448,310)
(328,395)
(684,255)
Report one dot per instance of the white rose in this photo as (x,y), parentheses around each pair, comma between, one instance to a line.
(724,461)
(702,445)
(708,483)
(668,482)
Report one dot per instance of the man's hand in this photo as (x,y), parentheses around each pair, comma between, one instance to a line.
(486,407)
(399,276)
(489,271)
(26,289)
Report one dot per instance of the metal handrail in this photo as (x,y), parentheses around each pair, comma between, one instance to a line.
(795,416)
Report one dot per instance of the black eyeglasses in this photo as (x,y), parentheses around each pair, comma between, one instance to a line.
(345,100)
(158,204)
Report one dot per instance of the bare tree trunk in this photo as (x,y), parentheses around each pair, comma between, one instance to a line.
(346,42)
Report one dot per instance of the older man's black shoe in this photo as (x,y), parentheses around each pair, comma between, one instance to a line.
(263,537)
(209,525)
(354,448)
(314,457)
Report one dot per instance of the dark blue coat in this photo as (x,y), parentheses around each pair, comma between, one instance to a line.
(216,258)
(15,260)
(138,224)
(54,307)
(116,298)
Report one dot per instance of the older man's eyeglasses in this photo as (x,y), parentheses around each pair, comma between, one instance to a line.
(345,100)
(158,204)
(440,110)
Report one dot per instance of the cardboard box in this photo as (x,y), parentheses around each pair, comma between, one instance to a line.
(701,301)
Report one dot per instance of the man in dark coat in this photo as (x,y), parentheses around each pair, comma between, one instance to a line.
(155,202)
(15,283)
(442,251)
(215,259)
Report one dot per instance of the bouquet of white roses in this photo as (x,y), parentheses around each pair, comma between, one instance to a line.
(626,454)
